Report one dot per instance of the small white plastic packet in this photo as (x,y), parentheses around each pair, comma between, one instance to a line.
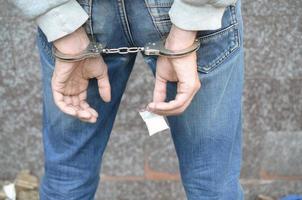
(155,123)
(10,191)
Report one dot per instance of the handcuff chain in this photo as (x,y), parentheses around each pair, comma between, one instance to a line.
(123,50)
(150,49)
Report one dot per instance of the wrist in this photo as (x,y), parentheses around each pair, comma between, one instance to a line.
(73,43)
(179,39)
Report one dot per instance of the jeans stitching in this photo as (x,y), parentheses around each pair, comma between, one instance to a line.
(159,5)
(153,20)
(46,47)
(233,14)
(90,22)
(87,6)
(125,22)
(218,33)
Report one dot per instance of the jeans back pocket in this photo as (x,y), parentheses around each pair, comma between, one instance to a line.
(216,46)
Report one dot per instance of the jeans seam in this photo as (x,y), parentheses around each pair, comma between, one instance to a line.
(44,47)
(87,6)
(153,19)
(124,21)
(90,16)
(233,14)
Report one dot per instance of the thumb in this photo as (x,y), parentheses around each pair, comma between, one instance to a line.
(160,89)
(104,87)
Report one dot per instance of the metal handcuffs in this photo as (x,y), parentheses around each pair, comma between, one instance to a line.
(94,49)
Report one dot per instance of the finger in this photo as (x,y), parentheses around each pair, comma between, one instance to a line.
(93,112)
(59,101)
(75,100)
(85,106)
(160,89)
(91,120)
(104,87)
(174,112)
(67,100)
(83,95)
(84,114)
(185,92)
(171,105)
(178,110)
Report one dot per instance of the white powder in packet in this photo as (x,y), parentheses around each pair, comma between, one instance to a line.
(10,191)
(155,123)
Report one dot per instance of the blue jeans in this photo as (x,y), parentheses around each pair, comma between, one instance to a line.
(207,136)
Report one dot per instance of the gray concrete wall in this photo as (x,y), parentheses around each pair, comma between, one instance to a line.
(138,167)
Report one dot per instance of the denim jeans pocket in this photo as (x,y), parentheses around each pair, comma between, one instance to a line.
(216,46)
(159,12)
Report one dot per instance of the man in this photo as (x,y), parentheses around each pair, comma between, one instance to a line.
(200,92)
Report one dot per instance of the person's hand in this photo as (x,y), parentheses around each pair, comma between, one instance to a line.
(182,70)
(70,80)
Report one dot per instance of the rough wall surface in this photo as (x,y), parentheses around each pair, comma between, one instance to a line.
(138,167)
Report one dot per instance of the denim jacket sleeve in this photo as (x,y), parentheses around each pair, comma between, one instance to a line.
(198,14)
(56,18)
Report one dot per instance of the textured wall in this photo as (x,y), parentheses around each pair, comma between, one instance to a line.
(139,167)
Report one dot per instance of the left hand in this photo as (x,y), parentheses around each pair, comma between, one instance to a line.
(182,70)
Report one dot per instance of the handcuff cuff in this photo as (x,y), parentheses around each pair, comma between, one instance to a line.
(95,49)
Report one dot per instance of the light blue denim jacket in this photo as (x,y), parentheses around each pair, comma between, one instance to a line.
(58,18)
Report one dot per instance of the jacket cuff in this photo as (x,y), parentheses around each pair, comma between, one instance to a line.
(62,20)
(196,18)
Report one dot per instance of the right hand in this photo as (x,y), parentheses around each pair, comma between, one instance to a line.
(181,70)
(70,80)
